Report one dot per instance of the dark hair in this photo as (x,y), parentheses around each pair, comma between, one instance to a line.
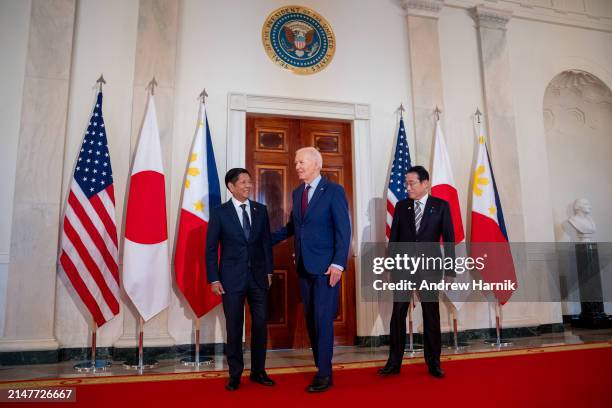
(232,175)
(420,171)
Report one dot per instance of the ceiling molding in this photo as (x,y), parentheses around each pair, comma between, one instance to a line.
(536,11)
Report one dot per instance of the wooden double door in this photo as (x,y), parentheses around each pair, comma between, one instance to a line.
(271,143)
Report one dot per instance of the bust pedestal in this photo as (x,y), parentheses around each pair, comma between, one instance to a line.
(592,315)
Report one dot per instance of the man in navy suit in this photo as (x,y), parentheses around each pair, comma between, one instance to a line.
(421,220)
(320,225)
(241,230)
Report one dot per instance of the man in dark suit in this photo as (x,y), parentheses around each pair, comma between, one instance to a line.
(421,220)
(320,225)
(241,230)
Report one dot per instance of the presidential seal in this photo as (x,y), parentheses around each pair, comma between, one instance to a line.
(299,39)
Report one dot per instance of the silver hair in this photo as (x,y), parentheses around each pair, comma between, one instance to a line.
(313,153)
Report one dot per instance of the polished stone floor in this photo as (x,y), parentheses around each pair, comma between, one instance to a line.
(297,358)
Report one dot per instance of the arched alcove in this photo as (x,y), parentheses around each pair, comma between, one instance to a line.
(577,113)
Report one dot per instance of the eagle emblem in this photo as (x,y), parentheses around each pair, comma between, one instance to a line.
(299,39)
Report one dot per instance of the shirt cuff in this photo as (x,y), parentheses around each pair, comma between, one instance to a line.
(338,267)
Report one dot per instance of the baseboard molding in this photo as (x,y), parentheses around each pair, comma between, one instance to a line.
(210,349)
(467,335)
(603,322)
(108,353)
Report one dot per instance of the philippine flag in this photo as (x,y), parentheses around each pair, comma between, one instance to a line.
(146,266)
(489,239)
(201,193)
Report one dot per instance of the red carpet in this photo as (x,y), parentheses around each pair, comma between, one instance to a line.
(580,378)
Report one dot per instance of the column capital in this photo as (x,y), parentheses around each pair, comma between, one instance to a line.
(489,17)
(423,8)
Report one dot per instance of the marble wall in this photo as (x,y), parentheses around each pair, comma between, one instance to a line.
(14,26)
(29,318)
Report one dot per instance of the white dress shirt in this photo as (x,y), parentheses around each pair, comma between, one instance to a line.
(423,201)
(237,206)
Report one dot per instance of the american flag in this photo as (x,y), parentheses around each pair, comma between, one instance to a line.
(89,254)
(401,163)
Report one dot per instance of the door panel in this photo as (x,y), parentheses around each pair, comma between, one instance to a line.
(333,140)
(270,145)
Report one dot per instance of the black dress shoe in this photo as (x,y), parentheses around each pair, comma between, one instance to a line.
(233,384)
(388,370)
(436,371)
(262,378)
(320,384)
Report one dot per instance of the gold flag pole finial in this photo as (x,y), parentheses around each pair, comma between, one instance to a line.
(101,81)
(151,86)
(401,109)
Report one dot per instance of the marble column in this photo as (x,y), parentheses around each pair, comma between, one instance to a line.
(426,73)
(156,50)
(35,228)
(499,114)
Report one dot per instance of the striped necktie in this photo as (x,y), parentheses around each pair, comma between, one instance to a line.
(246,223)
(418,214)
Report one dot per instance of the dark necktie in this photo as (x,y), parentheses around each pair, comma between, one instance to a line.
(305,200)
(246,223)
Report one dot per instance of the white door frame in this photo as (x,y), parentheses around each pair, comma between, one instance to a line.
(239,104)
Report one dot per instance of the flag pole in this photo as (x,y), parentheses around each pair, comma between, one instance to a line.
(437,112)
(457,345)
(203,95)
(140,363)
(498,341)
(401,111)
(141,332)
(411,346)
(151,86)
(94,331)
(100,82)
(197,360)
(93,365)
(197,341)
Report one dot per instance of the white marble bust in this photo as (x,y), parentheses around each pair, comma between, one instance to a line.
(582,221)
